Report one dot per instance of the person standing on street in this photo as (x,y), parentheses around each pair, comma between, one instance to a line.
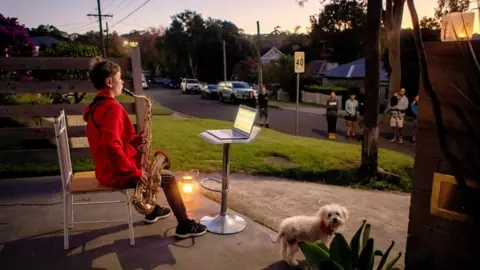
(397,113)
(263,107)
(332,113)
(351,108)
(251,101)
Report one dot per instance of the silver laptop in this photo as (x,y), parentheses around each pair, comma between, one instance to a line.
(242,127)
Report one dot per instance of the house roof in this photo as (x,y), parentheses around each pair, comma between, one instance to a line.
(44,40)
(317,67)
(354,70)
(272,54)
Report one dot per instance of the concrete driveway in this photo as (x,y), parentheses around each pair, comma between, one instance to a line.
(31,236)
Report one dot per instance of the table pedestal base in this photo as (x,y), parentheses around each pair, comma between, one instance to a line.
(228,224)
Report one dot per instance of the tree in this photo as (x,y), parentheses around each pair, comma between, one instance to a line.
(338,31)
(392,22)
(147,41)
(447,6)
(192,46)
(429,23)
(14,39)
(65,49)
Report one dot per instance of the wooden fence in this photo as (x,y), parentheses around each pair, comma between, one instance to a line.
(132,64)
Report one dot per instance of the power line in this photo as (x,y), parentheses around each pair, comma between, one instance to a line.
(119,4)
(124,18)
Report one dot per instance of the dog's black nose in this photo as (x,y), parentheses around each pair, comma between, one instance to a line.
(335,220)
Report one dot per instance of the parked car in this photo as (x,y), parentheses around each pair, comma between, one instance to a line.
(174,84)
(209,91)
(234,91)
(190,85)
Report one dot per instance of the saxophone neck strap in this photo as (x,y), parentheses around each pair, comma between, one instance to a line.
(96,101)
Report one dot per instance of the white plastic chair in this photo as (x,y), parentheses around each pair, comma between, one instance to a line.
(82,183)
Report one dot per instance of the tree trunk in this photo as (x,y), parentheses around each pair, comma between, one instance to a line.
(368,166)
(454,163)
(395,79)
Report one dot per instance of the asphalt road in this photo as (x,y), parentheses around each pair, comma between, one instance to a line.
(283,120)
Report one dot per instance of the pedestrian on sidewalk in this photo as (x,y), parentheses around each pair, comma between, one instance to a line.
(397,114)
(263,107)
(414,110)
(251,101)
(351,108)
(117,150)
(332,114)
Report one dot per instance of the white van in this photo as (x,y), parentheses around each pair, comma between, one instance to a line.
(144,82)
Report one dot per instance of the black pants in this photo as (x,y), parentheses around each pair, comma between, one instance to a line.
(332,123)
(172,193)
(263,112)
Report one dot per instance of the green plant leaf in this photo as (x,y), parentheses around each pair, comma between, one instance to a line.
(366,236)
(393,262)
(385,257)
(322,245)
(378,253)
(355,245)
(329,265)
(313,253)
(365,262)
(340,252)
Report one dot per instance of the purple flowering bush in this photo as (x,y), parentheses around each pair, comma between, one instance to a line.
(14,39)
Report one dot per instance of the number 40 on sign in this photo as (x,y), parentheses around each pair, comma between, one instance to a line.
(299,60)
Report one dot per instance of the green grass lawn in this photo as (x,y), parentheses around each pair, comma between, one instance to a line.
(300,158)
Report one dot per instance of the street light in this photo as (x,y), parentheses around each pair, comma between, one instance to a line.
(130,43)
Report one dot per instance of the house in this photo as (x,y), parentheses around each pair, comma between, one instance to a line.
(40,41)
(318,68)
(271,55)
(352,75)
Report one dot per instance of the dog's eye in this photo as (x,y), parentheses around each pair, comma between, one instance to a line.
(329,214)
(337,214)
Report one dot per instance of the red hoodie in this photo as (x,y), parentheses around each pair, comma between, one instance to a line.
(112,144)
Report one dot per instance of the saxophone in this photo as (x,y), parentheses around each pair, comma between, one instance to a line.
(144,198)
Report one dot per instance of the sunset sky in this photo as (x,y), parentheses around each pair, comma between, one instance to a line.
(71,16)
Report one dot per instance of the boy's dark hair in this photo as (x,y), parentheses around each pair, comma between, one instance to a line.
(100,70)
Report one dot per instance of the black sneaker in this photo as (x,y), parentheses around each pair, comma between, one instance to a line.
(190,228)
(157,214)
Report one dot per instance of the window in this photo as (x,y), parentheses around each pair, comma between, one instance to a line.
(192,81)
(240,85)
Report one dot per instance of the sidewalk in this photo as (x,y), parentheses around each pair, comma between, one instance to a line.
(31,238)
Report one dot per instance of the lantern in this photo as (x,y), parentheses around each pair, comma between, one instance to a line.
(457,26)
(188,187)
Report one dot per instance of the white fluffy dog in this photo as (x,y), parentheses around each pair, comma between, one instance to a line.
(320,226)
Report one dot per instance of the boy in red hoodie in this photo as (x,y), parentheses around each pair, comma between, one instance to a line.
(116,148)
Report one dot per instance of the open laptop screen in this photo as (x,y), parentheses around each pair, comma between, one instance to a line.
(245,119)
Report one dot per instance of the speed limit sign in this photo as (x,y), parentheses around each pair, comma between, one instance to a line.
(299,60)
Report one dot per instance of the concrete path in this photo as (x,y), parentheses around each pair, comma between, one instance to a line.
(31,236)
(268,200)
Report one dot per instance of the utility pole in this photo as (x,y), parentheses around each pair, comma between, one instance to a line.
(106,39)
(100,15)
(260,76)
(224,61)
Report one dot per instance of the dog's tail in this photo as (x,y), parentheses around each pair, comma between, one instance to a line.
(277,237)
